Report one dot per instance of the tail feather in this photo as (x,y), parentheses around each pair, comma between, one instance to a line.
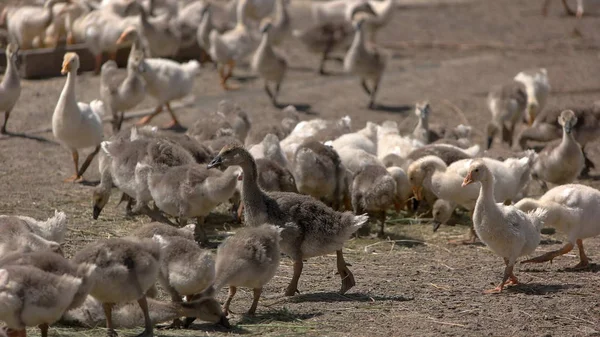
(360,220)
(538,217)
(473,151)
(192,67)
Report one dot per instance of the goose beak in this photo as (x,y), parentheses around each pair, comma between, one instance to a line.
(490,140)
(468,180)
(187,322)
(65,69)
(418,192)
(121,38)
(568,128)
(531,114)
(436,225)
(224,322)
(215,162)
(96,212)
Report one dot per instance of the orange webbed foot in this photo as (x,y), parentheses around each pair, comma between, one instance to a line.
(74,179)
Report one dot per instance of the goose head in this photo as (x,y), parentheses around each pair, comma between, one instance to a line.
(364,10)
(99,200)
(359,19)
(207,309)
(70,63)
(129,35)
(205,10)
(567,120)
(266,25)
(422,109)
(231,154)
(12,50)
(478,172)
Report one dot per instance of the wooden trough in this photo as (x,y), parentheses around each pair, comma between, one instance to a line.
(47,62)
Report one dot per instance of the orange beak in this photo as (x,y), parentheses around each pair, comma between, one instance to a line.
(65,69)
(121,38)
(418,192)
(468,180)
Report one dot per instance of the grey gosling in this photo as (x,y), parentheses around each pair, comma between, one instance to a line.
(126,269)
(247,259)
(176,276)
(315,229)
(57,265)
(268,63)
(364,60)
(374,192)
(560,162)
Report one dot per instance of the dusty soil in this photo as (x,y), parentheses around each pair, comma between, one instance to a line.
(450,52)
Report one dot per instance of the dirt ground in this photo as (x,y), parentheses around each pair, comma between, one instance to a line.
(448,51)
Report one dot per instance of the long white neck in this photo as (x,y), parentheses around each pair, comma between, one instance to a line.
(67,102)
(11,77)
(241,12)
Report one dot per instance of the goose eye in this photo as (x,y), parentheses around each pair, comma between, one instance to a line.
(476,170)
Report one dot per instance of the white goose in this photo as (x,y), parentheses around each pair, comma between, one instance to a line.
(230,47)
(120,97)
(537,88)
(573,210)
(77,125)
(506,230)
(10,87)
(167,80)
(268,62)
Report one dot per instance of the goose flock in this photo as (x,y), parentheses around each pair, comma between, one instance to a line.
(300,187)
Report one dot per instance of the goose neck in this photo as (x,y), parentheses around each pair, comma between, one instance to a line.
(486,193)
(11,75)
(251,192)
(241,12)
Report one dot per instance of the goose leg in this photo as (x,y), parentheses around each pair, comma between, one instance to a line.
(43,329)
(373,93)
(276,94)
(118,121)
(110,331)
(148,118)
(551,255)
(88,161)
(232,291)
(363,83)
(6,115)
(292,288)
(268,91)
(70,39)
(508,271)
(512,279)
(256,296)
(568,9)
(76,177)
(324,58)
(382,217)
(199,232)
(98,64)
(175,298)
(225,77)
(584,262)
(345,273)
(174,124)
(149,329)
